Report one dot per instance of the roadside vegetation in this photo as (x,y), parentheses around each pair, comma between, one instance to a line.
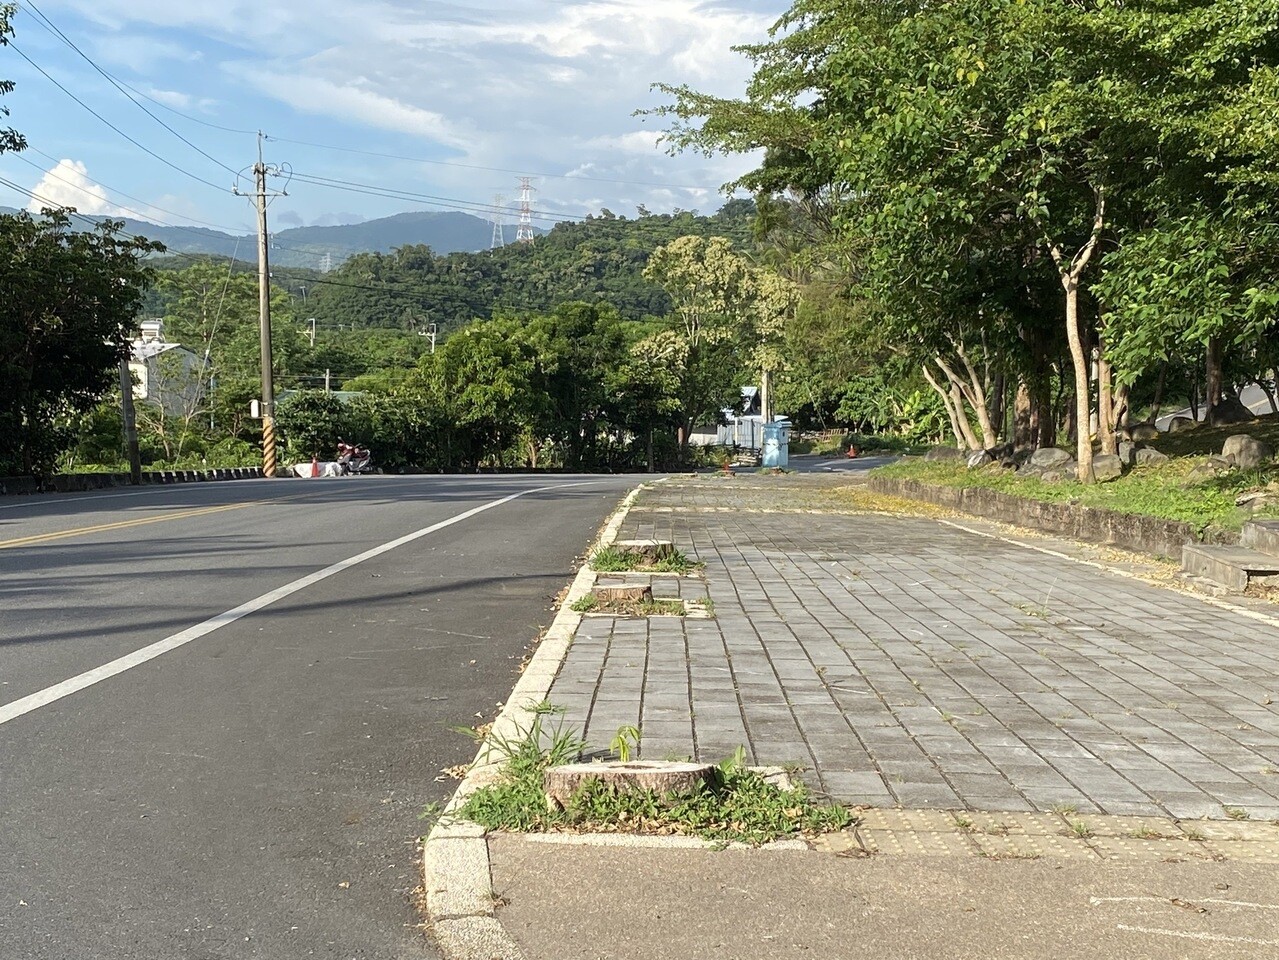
(1184,487)
(619,560)
(738,805)
(952,237)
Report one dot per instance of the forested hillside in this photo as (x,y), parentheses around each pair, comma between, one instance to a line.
(599,260)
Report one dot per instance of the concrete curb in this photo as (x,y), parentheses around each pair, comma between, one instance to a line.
(457,876)
(85,482)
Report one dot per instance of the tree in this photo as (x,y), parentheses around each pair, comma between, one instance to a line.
(67,304)
(712,292)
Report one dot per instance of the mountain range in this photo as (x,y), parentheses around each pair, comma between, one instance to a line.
(446,232)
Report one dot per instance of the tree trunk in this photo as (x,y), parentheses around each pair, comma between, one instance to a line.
(1070,274)
(1105,403)
(1122,424)
(999,407)
(1023,418)
(1159,393)
(1213,377)
(1083,406)
(959,424)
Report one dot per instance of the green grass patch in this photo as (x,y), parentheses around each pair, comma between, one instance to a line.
(1205,441)
(866,444)
(739,805)
(1161,490)
(613,560)
(629,608)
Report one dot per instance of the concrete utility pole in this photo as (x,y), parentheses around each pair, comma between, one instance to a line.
(130,423)
(260,197)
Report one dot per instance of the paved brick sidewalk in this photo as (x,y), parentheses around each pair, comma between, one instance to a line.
(902,661)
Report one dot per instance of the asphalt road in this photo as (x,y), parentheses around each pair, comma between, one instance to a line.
(202,758)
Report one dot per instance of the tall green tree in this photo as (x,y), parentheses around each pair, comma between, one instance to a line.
(67,305)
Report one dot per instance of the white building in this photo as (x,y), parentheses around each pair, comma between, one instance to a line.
(166,375)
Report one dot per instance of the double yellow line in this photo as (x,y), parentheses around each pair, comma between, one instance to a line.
(125,524)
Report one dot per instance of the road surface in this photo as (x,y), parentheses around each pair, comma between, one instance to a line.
(217,734)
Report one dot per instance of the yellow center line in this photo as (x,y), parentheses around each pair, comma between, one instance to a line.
(124,524)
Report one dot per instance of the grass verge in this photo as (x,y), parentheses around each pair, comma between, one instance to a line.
(739,805)
(1165,490)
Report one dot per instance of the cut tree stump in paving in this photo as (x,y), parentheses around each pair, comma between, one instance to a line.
(650,551)
(639,593)
(659,776)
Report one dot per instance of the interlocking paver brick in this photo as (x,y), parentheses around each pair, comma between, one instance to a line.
(907,661)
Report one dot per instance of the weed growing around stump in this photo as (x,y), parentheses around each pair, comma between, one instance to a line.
(738,805)
(613,560)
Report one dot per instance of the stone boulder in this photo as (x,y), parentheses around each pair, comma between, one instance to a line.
(1230,410)
(1245,452)
(1143,431)
(1212,467)
(1107,466)
(1049,458)
(1181,424)
(979,459)
(1127,452)
(1148,455)
(942,453)
(1063,471)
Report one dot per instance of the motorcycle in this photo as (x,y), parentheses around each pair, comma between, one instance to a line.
(354,458)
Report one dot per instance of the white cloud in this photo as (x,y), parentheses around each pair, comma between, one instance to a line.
(68,185)
(544,86)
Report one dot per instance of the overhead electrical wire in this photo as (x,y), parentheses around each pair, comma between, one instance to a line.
(475,166)
(50,26)
(204,223)
(147,150)
(464,206)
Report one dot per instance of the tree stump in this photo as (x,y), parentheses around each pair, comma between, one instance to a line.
(659,776)
(651,551)
(638,593)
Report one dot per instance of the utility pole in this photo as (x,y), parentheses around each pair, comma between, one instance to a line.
(260,172)
(264,321)
(326,380)
(130,423)
(311,321)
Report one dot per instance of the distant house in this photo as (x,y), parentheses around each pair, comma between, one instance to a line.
(742,429)
(166,375)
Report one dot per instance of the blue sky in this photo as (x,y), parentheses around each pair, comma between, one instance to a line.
(541,87)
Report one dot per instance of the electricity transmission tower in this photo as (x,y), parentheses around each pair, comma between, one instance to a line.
(524,234)
(499,238)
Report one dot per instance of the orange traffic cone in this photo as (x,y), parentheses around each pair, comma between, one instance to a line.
(315,466)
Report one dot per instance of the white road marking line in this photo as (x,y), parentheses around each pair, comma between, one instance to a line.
(42,698)
(1097,901)
(1202,598)
(1189,935)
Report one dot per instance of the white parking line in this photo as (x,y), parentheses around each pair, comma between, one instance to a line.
(42,698)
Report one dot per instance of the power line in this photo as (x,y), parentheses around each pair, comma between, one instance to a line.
(464,206)
(146,203)
(475,166)
(50,26)
(168,163)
